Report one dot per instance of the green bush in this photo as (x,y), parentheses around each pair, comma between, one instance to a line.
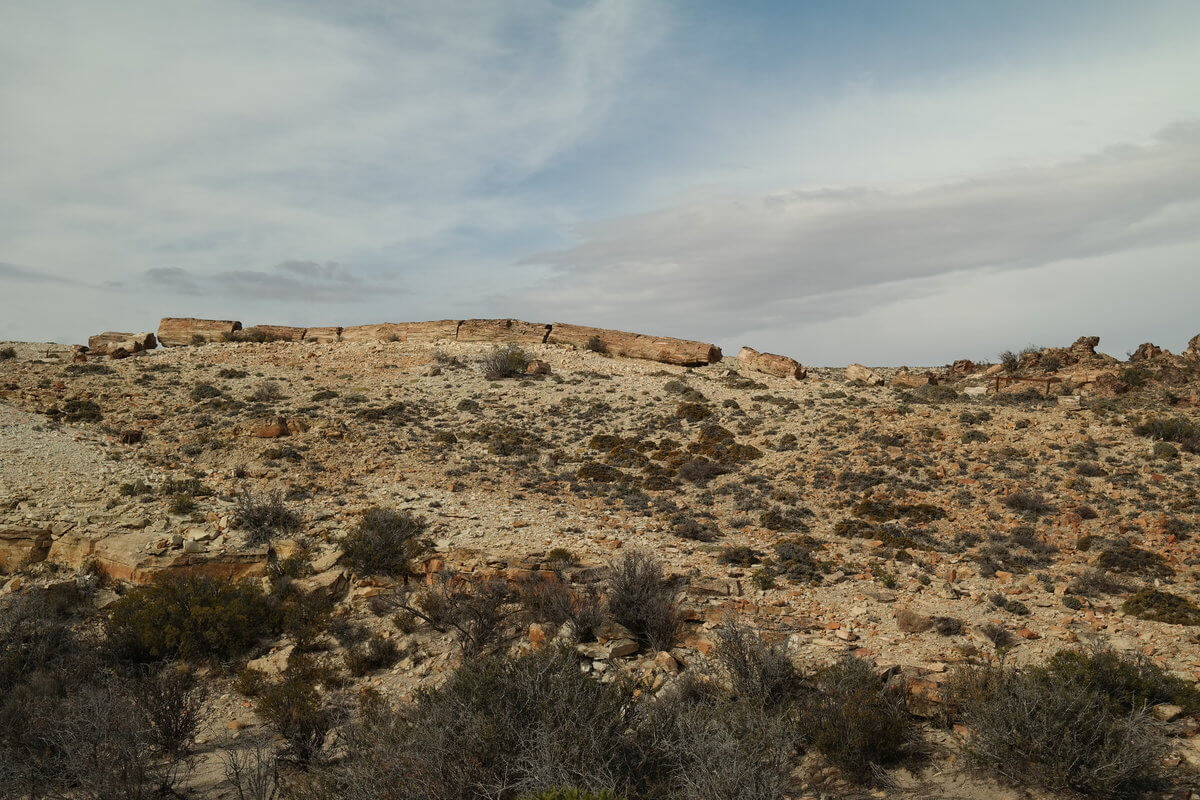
(1169,429)
(191,618)
(1161,606)
(1129,682)
(8,353)
(384,542)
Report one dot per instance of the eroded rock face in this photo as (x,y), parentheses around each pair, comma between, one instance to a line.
(1085,345)
(182,331)
(137,557)
(770,363)
(1193,348)
(1147,351)
(664,349)
(21,545)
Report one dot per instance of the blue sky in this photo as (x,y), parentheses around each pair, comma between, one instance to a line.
(886,182)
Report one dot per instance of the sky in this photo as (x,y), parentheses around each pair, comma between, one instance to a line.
(888,182)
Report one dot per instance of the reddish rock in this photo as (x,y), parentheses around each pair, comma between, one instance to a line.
(271,430)
(913,380)
(770,363)
(537,367)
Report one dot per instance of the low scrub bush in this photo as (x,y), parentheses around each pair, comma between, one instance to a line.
(190,618)
(1161,606)
(756,671)
(1042,727)
(264,517)
(509,361)
(857,722)
(642,599)
(384,542)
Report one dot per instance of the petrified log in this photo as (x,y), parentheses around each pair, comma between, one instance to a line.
(664,349)
(278,333)
(502,330)
(103,344)
(326,334)
(383,332)
(770,363)
(180,331)
(857,372)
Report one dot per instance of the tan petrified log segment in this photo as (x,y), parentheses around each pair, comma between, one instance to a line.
(502,330)
(103,344)
(180,331)
(331,333)
(21,545)
(283,333)
(433,331)
(636,345)
(384,332)
(770,363)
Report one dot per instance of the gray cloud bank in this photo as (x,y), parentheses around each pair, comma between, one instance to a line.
(311,281)
(804,256)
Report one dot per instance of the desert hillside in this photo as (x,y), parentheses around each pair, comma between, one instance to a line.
(400,505)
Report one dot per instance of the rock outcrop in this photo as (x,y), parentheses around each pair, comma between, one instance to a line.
(667,350)
(1147,351)
(21,545)
(1193,348)
(181,331)
(770,363)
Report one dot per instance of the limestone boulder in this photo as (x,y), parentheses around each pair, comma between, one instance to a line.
(770,364)
(1147,351)
(183,331)
(664,349)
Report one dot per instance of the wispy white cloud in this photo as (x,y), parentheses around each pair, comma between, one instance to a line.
(811,255)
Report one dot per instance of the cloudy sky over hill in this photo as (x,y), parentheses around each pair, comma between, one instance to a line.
(889,182)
